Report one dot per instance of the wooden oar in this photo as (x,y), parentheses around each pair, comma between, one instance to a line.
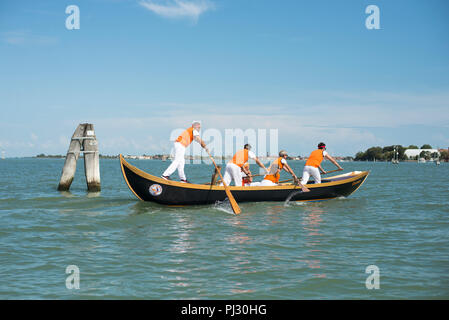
(234,205)
(333,171)
(323,173)
(257,175)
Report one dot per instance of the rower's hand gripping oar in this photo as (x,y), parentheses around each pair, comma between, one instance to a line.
(234,205)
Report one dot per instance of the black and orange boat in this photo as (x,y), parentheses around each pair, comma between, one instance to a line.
(147,187)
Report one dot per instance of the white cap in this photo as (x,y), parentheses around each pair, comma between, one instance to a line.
(195,122)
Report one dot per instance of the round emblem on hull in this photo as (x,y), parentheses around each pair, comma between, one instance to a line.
(155,189)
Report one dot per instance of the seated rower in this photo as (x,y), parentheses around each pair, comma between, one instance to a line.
(234,167)
(272,178)
(247,177)
(314,163)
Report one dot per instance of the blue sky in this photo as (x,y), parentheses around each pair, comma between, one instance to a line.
(139,69)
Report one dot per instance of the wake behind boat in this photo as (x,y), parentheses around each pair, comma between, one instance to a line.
(147,187)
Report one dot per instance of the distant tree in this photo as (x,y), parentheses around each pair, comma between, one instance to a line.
(444,155)
(388,148)
(401,153)
(360,156)
(383,154)
(375,153)
(426,146)
(412,147)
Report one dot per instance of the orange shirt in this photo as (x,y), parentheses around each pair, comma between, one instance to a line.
(240,157)
(186,137)
(315,158)
(275,177)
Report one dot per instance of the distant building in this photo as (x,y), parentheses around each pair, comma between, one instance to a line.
(413,153)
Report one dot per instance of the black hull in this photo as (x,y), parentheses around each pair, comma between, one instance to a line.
(151,188)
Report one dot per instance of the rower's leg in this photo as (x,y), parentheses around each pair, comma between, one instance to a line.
(315,172)
(179,156)
(171,168)
(236,173)
(181,173)
(227,176)
(305,176)
(266,183)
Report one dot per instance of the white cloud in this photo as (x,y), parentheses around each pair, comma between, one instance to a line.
(294,134)
(178,8)
(347,122)
(23,37)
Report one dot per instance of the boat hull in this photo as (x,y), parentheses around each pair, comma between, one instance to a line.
(147,187)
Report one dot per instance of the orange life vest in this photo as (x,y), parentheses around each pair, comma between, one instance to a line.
(186,137)
(315,158)
(240,157)
(275,176)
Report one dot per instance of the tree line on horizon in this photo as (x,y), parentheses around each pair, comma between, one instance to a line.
(387,153)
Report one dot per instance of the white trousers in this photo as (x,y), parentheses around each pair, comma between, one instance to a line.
(178,162)
(265,183)
(310,171)
(233,172)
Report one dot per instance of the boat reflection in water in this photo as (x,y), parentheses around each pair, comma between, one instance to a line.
(313,235)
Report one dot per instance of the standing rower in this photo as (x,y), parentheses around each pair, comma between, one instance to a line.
(314,163)
(234,167)
(183,141)
(272,178)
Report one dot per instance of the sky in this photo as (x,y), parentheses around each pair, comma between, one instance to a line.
(141,69)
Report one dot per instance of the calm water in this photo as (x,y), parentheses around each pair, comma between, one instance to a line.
(124,248)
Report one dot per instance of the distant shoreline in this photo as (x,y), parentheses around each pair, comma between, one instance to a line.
(166,158)
(207,158)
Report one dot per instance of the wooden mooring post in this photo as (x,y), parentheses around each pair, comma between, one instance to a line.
(83,140)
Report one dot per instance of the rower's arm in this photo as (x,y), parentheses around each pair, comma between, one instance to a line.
(200,141)
(333,161)
(321,169)
(289,170)
(295,178)
(260,164)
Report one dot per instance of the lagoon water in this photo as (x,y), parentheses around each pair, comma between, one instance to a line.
(127,249)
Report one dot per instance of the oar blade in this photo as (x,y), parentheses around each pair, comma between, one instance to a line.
(234,204)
